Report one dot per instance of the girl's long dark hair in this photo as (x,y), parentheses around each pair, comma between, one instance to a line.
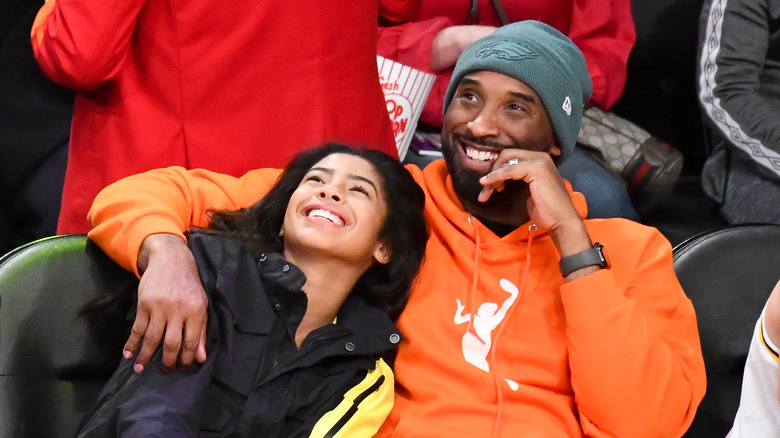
(385,286)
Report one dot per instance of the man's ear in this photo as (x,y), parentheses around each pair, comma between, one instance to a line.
(383,252)
(555,150)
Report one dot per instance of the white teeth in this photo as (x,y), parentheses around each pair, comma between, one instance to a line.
(480,155)
(325,214)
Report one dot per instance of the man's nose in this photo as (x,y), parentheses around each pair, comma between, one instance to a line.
(484,125)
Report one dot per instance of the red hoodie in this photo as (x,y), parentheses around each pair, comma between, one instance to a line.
(492,333)
(210,84)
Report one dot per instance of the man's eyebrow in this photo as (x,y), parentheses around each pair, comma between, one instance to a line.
(349,176)
(516,94)
(523,96)
(468,81)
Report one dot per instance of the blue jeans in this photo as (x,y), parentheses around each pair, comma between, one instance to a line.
(605,193)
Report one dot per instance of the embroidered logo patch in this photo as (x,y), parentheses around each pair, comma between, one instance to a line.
(567,106)
(506,50)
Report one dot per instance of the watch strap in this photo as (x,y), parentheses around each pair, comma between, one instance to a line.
(591,257)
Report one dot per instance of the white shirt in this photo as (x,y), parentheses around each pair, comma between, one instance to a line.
(758,415)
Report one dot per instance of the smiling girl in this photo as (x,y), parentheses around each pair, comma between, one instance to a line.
(303,288)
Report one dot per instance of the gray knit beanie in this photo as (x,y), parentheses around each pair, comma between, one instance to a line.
(542,58)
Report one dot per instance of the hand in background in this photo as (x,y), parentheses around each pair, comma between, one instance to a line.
(451,41)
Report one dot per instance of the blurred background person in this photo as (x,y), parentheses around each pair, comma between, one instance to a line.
(207,84)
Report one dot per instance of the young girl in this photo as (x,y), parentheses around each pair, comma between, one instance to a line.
(303,288)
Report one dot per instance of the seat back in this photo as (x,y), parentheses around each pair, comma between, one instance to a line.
(728,274)
(52,366)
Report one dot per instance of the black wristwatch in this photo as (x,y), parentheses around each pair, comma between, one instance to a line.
(592,257)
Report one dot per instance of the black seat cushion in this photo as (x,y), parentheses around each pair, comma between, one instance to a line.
(52,363)
(728,275)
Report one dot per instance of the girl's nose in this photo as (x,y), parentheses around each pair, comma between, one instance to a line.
(325,193)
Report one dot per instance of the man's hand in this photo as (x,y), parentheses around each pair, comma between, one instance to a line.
(171,305)
(450,42)
(549,205)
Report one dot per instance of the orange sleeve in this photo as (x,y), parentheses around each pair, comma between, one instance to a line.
(634,353)
(168,200)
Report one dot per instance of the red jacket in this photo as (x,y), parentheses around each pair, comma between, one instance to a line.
(210,84)
(602,29)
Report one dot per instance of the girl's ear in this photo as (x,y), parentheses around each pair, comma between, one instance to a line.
(383,252)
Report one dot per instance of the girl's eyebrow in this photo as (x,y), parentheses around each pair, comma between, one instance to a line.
(349,176)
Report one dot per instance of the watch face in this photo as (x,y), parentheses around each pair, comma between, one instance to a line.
(603,254)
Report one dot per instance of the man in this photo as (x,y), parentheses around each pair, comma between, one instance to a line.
(602,29)
(581,348)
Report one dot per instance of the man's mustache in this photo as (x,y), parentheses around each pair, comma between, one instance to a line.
(482,141)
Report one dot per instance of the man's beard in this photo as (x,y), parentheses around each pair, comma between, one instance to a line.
(467,186)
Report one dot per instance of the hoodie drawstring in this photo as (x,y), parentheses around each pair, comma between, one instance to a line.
(470,308)
(474,278)
(496,378)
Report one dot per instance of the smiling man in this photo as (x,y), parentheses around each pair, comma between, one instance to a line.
(518,324)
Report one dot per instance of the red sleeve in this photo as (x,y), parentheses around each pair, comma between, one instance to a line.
(83,43)
(397,11)
(605,33)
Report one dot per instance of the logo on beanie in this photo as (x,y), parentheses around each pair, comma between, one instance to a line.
(567,106)
(506,50)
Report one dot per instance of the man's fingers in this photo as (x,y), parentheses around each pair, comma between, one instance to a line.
(485,193)
(494,181)
(505,170)
(172,344)
(136,334)
(193,329)
(151,340)
(200,356)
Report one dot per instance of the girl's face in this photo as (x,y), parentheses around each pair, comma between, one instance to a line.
(338,210)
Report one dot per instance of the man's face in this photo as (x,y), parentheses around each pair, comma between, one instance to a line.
(490,112)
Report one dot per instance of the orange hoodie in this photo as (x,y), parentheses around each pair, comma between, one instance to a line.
(495,342)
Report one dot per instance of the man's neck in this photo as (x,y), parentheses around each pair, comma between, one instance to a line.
(498,217)
(498,228)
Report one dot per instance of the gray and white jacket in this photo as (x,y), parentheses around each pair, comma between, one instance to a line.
(739,91)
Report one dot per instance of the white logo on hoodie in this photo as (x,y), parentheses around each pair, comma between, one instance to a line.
(477,341)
